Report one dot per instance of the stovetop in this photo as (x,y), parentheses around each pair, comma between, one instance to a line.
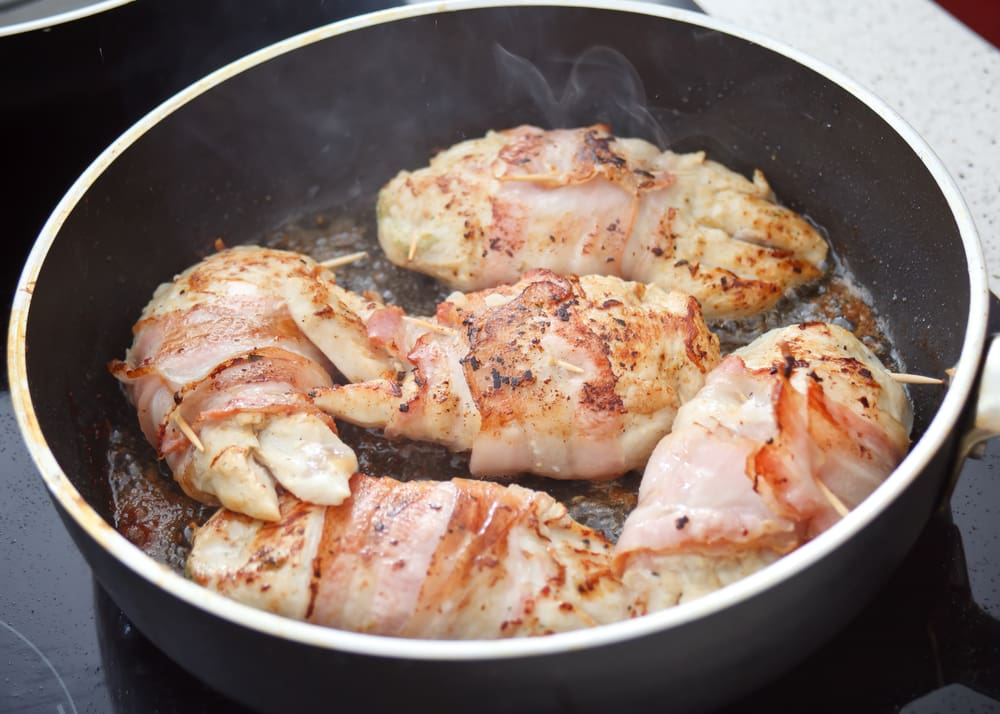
(929,642)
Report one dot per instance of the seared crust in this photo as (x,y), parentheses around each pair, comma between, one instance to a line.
(580,201)
(559,376)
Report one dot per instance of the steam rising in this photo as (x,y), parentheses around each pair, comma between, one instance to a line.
(602,86)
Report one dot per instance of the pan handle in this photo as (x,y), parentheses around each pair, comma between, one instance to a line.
(986,410)
(984,420)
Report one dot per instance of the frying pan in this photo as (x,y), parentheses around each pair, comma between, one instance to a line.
(324,119)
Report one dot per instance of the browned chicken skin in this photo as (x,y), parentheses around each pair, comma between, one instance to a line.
(580,201)
(788,434)
(559,376)
(453,559)
(219,370)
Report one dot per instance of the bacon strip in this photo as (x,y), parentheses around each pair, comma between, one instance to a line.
(456,559)
(785,433)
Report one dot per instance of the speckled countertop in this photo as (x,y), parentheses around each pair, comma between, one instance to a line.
(939,75)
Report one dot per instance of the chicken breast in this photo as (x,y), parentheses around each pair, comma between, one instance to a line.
(453,559)
(559,376)
(219,370)
(787,435)
(580,201)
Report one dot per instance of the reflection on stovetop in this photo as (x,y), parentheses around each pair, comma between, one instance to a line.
(138,678)
(930,642)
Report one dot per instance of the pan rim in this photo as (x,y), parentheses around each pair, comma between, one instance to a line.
(49,21)
(69,499)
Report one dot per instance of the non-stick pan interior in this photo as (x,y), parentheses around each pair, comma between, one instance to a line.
(330,122)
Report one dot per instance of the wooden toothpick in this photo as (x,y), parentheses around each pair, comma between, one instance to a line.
(186,429)
(904,378)
(344,259)
(413,248)
(569,366)
(830,496)
(432,326)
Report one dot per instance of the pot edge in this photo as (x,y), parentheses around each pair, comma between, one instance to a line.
(44,23)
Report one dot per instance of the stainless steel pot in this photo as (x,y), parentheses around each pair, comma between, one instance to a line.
(327,117)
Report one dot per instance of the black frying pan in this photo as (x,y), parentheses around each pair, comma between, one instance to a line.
(325,119)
